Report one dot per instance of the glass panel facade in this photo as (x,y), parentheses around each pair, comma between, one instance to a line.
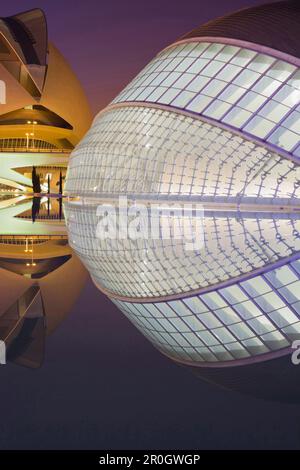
(146,151)
(254,91)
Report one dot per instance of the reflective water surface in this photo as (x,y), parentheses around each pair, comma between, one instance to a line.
(35,263)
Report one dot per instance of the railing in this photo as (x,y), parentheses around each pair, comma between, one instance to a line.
(42,217)
(5,197)
(23,239)
(33,150)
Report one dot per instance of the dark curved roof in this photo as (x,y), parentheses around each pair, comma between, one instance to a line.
(29,29)
(273,380)
(275,25)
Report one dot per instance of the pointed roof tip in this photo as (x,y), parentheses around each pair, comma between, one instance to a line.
(29,29)
(274,25)
(31,10)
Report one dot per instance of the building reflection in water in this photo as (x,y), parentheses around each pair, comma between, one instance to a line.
(194,128)
(42,118)
(230,311)
(34,265)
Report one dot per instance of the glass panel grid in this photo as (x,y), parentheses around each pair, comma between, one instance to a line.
(144,151)
(243,81)
(152,268)
(214,340)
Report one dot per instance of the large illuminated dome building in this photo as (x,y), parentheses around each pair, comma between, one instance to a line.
(214,118)
(43,115)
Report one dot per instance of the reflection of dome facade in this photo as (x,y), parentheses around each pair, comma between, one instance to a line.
(40,84)
(43,115)
(213,118)
(30,309)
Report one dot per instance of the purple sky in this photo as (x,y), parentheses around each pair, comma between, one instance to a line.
(108,42)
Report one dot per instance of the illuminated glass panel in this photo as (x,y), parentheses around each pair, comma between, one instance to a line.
(226,333)
(156,267)
(151,151)
(248,90)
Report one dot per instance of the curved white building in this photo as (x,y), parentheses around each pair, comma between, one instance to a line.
(213,119)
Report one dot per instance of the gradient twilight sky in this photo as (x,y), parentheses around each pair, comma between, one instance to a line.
(103,385)
(108,42)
